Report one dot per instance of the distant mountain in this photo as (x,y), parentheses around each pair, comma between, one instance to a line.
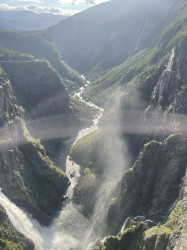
(39,44)
(27,20)
(135,68)
(105,35)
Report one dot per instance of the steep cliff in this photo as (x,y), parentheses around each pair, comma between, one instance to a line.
(133,168)
(139,232)
(152,185)
(151,110)
(157,180)
(28,176)
(41,93)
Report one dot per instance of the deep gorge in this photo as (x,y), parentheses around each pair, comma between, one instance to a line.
(96,161)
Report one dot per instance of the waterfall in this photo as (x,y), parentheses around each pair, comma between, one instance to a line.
(125,224)
(165,75)
(22,222)
(68,230)
(171,60)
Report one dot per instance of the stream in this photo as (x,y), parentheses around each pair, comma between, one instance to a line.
(68,229)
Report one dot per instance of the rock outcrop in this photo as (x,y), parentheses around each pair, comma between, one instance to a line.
(27,175)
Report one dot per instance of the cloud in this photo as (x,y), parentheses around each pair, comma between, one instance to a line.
(53,10)
(40,9)
(31,1)
(81,1)
(57,7)
(6,7)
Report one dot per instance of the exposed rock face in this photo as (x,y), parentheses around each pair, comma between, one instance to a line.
(42,94)
(27,175)
(164,114)
(85,189)
(178,219)
(152,185)
(8,109)
(40,91)
(169,93)
(9,237)
(130,239)
(141,235)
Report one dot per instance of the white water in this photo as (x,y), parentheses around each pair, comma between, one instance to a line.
(171,60)
(72,169)
(125,224)
(21,221)
(164,76)
(68,230)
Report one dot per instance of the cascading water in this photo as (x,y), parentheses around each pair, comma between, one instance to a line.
(22,221)
(165,76)
(68,230)
(154,115)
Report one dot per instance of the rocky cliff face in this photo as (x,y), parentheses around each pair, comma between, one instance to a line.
(152,121)
(44,98)
(142,235)
(149,200)
(178,220)
(28,176)
(163,113)
(152,185)
(156,183)
(40,91)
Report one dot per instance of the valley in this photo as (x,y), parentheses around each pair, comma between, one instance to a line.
(93,135)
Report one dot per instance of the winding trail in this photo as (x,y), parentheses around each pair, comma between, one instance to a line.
(68,229)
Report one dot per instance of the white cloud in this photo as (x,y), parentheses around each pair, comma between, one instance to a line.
(81,1)
(100,1)
(61,7)
(40,9)
(31,1)
(53,10)
(6,7)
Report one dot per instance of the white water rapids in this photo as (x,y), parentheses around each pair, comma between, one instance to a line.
(68,230)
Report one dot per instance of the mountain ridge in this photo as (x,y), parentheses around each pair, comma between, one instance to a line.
(110,42)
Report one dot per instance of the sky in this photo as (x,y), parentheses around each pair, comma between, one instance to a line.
(61,7)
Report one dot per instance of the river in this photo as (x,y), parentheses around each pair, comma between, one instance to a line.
(68,230)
